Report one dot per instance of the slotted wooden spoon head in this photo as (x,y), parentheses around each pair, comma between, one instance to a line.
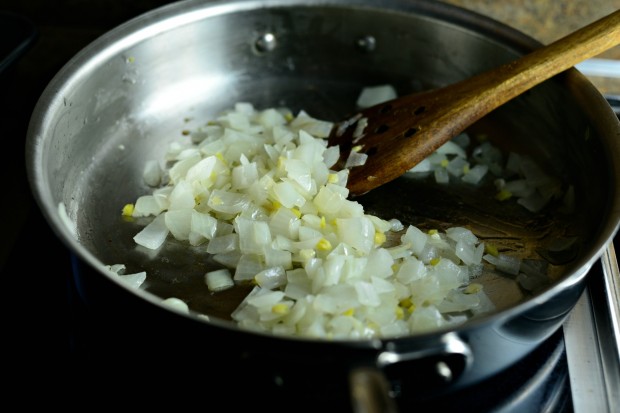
(398,134)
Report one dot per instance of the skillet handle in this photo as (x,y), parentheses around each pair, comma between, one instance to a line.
(428,369)
(370,391)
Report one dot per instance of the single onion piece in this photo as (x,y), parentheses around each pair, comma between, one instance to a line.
(152,173)
(331,156)
(147,205)
(355,159)
(360,126)
(177,304)
(134,280)
(505,263)
(271,278)
(373,95)
(223,244)
(475,174)
(457,166)
(441,176)
(179,222)
(154,234)
(219,280)
(423,166)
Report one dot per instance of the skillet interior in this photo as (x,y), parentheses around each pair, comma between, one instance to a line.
(123,101)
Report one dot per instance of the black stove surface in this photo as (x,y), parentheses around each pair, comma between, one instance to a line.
(36,39)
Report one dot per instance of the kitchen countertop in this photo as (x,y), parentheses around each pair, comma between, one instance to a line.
(547,21)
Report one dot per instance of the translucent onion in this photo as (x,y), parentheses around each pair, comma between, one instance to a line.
(152,173)
(154,234)
(255,190)
(134,280)
(177,304)
(373,95)
(219,280)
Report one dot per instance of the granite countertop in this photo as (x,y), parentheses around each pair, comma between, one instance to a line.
(547,21)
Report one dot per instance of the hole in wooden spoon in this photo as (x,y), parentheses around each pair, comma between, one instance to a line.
(382,128)
(410,132)
(419,110)
(385,108)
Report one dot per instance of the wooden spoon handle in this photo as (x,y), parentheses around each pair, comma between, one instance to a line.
(580,45)
(493,88)
(404,131)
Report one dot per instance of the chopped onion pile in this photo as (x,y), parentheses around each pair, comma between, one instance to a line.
(255,188)
(517,177)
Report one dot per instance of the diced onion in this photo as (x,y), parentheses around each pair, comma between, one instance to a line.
(134,280)
(255,190)
(373,95)
(219,280)
(515,176)
(152,173)
(177,304)
(154,234)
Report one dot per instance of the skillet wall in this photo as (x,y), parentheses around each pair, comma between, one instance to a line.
(108,117)
(108,122)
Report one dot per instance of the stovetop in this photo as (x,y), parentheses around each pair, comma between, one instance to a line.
(575,370)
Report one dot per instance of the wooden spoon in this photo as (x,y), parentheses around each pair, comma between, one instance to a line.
(403,131)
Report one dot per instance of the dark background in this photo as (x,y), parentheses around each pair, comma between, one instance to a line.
(36,39)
